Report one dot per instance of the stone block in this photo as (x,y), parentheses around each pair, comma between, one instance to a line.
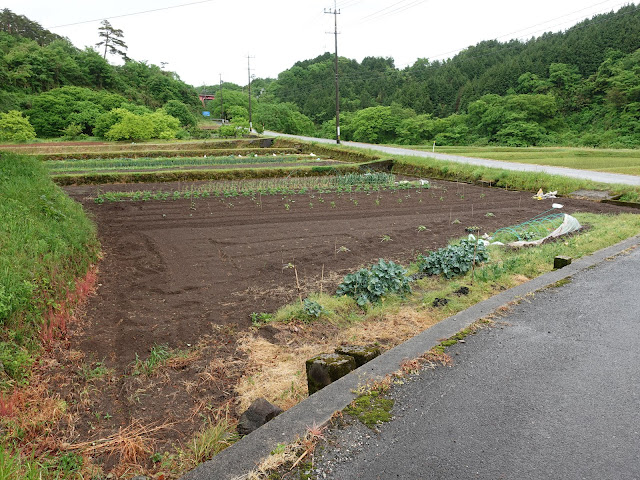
(258,413)
(327,368)
(561,261)
(360,353)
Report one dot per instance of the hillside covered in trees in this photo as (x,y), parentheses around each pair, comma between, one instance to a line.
(65,90)
(578,87)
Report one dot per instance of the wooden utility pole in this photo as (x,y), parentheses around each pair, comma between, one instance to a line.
(221,103)
(335,14)
(249,74)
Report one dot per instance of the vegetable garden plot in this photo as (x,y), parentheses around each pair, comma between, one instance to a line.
(188,274)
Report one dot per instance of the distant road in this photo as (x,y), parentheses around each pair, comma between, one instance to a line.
(521,167)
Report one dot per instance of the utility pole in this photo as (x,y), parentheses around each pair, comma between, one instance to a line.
(221,104)
(335,14)
(249,75)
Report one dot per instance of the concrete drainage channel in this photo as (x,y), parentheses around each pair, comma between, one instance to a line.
(240,458)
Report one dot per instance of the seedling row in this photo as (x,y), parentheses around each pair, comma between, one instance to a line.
(350,183)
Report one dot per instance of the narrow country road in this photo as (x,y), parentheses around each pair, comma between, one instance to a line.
(551,392)
(523,167)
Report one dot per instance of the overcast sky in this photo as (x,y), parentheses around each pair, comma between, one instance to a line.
(200,39)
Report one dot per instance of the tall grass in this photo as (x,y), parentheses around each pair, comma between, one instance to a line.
(46,242)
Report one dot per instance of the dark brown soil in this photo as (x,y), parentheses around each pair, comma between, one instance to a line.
(186,274)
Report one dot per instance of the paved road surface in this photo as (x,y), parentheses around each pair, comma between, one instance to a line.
(523,167)
(553,395)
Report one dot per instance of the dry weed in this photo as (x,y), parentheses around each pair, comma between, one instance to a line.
(131,444)
(391,330)
(275,372)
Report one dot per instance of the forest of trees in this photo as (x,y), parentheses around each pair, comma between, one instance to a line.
(67,91)
(577,87)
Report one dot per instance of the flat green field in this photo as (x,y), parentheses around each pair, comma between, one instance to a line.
(602,160)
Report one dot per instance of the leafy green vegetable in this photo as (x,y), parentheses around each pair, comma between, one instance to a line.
(453,260)
(369,286)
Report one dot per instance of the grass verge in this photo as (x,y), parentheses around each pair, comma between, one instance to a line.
(509,179)
(626,161)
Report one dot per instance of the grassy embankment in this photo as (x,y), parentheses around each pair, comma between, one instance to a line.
(47,248)
(608,160)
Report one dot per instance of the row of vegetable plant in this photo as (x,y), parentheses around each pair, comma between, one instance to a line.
(374,182)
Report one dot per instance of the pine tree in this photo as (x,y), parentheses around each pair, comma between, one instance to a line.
(112,40)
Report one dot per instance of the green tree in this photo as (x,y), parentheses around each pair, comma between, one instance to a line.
(180,111)
(112,40)
(284,118)
(15,128)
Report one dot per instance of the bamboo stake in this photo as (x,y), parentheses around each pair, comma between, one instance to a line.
(298,286)
(473,264)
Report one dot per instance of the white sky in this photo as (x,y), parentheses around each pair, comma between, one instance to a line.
(201,39)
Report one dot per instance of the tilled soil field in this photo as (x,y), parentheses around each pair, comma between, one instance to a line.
(188,274)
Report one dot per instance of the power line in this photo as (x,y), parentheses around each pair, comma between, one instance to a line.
(395,11)
(134,13)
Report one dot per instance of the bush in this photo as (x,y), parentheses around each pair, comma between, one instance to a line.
(15,128)
(165,126)
(369,286)
(130,126)
(72,131)
(454,259)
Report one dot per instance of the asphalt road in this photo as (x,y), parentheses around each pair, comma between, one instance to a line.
(603,177)
(554,392)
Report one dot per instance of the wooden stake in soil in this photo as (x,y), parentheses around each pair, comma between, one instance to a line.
(473,264)
(298,286)
(321,279)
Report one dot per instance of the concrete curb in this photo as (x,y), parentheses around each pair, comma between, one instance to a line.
(240,458)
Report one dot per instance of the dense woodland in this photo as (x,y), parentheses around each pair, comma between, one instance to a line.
(578,87)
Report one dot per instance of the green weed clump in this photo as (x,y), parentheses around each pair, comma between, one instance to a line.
(371,408)
(46,242)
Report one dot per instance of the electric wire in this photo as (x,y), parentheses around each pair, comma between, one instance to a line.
(198,2)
